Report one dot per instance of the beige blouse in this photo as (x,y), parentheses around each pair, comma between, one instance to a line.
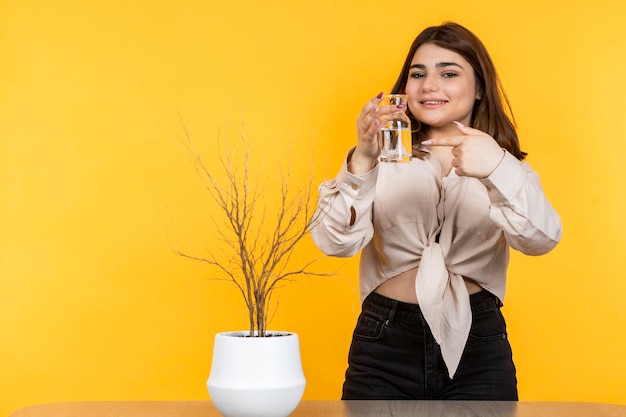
(400,208)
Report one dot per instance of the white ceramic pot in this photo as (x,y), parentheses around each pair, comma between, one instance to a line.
(256,376)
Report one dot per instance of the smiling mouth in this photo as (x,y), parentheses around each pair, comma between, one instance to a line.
(433,102)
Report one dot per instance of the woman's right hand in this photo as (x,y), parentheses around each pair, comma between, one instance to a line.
(367,149)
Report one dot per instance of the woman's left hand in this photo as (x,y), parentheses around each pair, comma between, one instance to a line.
(475,153)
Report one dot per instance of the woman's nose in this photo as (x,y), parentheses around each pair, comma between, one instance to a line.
(430,83)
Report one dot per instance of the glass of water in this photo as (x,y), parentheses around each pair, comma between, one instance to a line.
(394,133)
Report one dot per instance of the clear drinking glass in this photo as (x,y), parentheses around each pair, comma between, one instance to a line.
(394,134)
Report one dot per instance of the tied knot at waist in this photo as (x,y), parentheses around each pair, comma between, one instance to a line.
(445,304)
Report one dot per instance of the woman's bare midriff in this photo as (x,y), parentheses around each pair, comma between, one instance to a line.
(402,287)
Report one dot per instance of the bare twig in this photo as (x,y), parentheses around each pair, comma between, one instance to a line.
(256,262)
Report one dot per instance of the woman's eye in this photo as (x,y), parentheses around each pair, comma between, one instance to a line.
(449,74)
(417,75)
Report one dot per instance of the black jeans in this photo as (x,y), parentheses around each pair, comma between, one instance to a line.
(394,355)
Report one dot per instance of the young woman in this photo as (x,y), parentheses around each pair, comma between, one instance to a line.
(434,233)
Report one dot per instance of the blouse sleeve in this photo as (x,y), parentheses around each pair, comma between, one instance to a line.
(343,221)
(520,208)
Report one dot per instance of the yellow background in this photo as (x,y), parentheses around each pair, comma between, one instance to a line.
(93,303)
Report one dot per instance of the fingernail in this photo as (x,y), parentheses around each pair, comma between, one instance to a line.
(427,142)
(459,124)
(400,106)
(380,95)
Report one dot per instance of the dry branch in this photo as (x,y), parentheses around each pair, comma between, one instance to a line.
(257,260)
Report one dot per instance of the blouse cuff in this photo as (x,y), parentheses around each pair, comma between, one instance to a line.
(359,185)
(506,180)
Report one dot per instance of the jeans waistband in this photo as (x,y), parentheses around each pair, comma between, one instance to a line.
(390,308)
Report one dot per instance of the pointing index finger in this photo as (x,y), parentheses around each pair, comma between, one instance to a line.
(452,141)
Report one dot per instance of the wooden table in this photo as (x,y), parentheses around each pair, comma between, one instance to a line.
(332,408)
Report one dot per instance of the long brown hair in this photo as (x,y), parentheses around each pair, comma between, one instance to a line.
(492,112)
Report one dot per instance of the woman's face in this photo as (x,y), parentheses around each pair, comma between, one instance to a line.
(441,87)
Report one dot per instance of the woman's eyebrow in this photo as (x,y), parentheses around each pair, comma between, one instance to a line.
(437,65)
